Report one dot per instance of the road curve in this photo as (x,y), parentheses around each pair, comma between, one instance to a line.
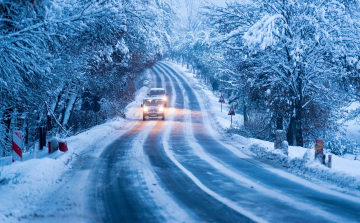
(177,171)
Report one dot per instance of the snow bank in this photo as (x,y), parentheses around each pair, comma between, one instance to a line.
(301,161)
(21,183)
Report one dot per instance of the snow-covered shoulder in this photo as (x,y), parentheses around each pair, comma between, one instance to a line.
(21,183)
(343,175)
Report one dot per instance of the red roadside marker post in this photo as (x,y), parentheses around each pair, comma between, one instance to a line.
(17,145)
(231,113)
(221,100)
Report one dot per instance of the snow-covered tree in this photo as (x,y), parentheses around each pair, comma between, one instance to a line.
(290,57)
(51,50)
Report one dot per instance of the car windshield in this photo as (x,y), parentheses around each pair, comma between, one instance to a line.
(157,92)
(153,102)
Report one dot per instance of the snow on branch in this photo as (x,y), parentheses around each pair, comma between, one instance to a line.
(261,34)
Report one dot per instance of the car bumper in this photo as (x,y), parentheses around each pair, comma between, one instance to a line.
(153,114)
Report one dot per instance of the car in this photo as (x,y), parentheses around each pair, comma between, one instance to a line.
(153,107)
(159,93)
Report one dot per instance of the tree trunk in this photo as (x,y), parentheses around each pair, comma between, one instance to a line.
(7,122)
(299,135)
(73,109)
(298,125)
(279,122)
(291,132)
(63,112)
(246,119)
(299,109)
(48,122)
(70,104)
(26,133)
(60,95)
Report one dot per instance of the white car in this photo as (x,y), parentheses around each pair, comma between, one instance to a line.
(153,107)
(159,93)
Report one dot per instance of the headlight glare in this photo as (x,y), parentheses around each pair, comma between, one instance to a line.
(146,109)
(161,109)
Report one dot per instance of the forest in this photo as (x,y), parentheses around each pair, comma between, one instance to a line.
(291,65)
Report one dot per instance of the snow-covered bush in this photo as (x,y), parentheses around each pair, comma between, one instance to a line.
(340,145)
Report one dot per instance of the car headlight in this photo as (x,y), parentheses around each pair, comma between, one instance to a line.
(146,109)
(164,98)
(161,109)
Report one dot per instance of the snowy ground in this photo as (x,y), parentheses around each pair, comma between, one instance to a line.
(158,155)
(22,183)
(344,174)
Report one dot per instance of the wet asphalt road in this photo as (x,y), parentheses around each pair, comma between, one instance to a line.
(176,171)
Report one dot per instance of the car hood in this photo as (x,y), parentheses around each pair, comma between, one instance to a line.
(158,96)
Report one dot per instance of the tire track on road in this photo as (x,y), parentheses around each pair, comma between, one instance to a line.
(235,163)
(205,206)
(118,200)
(120,196)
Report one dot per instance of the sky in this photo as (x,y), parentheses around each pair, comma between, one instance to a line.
(183,7)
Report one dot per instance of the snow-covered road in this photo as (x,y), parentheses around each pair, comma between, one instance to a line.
(182,170)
